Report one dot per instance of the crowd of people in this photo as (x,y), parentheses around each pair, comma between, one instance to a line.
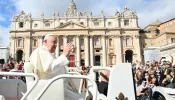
(12,66)
(152,74)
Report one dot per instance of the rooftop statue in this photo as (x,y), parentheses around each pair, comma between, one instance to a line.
(42,14)
(85,14)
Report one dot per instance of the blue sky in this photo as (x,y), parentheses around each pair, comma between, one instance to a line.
(148,11)
(7,9)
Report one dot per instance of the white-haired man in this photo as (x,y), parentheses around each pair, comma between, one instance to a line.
(47,66)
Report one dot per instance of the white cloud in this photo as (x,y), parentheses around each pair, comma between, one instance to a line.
(50,6)
(148,10)
(4,35)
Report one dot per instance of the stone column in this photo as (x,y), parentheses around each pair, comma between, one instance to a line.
(78,50)
(28,47)
(104,50)
(137,46)
(64,40)
(58,47)
(118,49)
(91,50)
(86,39)
(12,47)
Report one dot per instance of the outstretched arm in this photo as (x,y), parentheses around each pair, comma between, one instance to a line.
(160,60)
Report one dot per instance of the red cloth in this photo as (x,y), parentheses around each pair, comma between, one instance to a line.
(72,61)
(19,67)
(83,67)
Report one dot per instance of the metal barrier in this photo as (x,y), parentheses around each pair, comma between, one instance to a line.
(74,73)
(68,76)
(23,74)
(73,69)
(100,68)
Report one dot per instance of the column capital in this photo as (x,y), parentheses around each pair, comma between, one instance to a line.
(91,35)
(65,36)
(77,36)
(103,36)
(86,36)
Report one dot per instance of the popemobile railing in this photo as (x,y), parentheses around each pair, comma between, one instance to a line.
(23,74)
(69,76)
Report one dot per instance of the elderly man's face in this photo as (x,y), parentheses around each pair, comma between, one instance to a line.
(51,43)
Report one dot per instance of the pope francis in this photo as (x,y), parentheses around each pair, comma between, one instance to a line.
(47,66)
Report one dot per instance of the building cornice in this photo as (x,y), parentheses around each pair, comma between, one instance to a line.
(74,29)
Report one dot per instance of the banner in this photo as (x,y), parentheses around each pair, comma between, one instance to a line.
(151,54)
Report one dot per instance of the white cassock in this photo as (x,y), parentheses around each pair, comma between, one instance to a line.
(47,66)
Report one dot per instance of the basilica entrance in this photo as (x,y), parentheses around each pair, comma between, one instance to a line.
(128,56)
(97,60)
(19,55)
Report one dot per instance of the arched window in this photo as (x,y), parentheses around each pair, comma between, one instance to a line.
(47,24)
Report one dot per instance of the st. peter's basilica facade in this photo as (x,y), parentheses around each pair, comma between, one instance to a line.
(99,40)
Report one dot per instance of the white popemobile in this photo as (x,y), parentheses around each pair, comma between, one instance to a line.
(121,85)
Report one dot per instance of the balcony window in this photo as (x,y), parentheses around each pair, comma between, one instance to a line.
(96,23)
(47,24)
(21,24)
(109,23)
(126,22)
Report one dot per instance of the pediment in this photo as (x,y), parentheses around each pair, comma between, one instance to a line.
(71,25)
